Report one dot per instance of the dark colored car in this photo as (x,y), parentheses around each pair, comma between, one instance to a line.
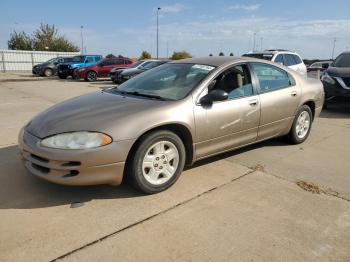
(131,72)
(102,68)
(114,73)
(67,69)
(336,78)
(49,68)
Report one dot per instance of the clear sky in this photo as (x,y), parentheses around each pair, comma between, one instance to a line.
(198,26)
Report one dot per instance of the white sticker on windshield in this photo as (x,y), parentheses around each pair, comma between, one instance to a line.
(204,67)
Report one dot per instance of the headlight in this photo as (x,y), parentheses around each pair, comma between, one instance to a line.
(77,140)
(327,78)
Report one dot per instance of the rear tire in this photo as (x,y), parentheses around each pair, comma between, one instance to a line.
(48,72)
(157,162)
(301,125)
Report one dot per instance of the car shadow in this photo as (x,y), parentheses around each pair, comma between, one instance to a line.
(21,190)
(338,108)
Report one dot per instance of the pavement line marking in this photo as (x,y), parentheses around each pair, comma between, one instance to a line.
(149,218)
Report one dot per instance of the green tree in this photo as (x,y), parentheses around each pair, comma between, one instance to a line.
(221,54)
(210,54)
(20,41)
(180,55)
(110,56)
(231,54)
(45,38)
(145,55)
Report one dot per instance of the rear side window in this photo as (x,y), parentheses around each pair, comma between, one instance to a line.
(289,60)
(270,77)
(279,59)
(128,62)
(97,58)
(297,59)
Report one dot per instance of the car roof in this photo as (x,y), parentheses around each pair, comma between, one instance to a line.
(272,52)
(209,60)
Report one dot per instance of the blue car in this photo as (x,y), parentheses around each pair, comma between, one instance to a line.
(67,69)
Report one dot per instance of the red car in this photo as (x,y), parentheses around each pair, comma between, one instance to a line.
(102,68)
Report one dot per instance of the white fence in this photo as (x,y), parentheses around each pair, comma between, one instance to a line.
(18,60)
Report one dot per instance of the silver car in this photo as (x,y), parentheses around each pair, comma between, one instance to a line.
(148,128)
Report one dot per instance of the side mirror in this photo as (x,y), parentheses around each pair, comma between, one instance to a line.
(325,66)
(213,96)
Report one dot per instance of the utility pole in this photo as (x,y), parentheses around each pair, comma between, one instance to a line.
(82,39)
(261,42)
(158,9)
(167,49)
(334,40)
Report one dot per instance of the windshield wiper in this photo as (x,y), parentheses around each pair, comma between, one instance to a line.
(135,93)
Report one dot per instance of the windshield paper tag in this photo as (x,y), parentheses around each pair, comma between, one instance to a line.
(204,67)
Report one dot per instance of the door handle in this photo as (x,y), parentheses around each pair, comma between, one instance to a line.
(293,93)
(253,102)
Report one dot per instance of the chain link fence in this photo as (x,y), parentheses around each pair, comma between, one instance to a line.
(18,60)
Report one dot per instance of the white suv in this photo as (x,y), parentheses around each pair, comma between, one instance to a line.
(284,57)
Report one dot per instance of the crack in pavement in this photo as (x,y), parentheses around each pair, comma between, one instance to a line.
(150,217)
(325,191)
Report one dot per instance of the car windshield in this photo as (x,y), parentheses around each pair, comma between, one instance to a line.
(168,81)
(78,59)
(342,60)
(52,60)
(260,56)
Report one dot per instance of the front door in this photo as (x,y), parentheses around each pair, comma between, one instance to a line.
(231,123)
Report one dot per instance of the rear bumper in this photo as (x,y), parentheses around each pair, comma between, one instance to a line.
(104,165)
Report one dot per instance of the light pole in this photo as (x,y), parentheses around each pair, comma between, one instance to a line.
(82,39)
(254,41)
(158,9)
(335,40)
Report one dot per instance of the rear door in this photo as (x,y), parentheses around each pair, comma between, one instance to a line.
(279,98)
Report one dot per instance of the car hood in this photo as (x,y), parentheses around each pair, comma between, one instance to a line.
(42,64)
(339,71)
(98,111)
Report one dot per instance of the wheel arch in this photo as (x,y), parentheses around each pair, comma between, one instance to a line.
(312,105)
(179,129)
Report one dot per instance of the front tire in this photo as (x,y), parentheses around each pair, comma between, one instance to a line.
(157,162)
(48,72)
(91,76)
(301,126)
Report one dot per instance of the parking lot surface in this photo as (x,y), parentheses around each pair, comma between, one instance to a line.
(267,202)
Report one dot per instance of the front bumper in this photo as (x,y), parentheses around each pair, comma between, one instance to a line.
(338,89)
(103,165)
(37,70)
(65,71)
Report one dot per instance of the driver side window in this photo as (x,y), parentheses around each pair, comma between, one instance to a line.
(236,81)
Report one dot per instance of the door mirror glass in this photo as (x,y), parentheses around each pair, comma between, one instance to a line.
(214,96)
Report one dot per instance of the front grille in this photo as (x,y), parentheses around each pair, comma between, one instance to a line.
(42,169)
(346,81)
(63,67)
(39,158)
